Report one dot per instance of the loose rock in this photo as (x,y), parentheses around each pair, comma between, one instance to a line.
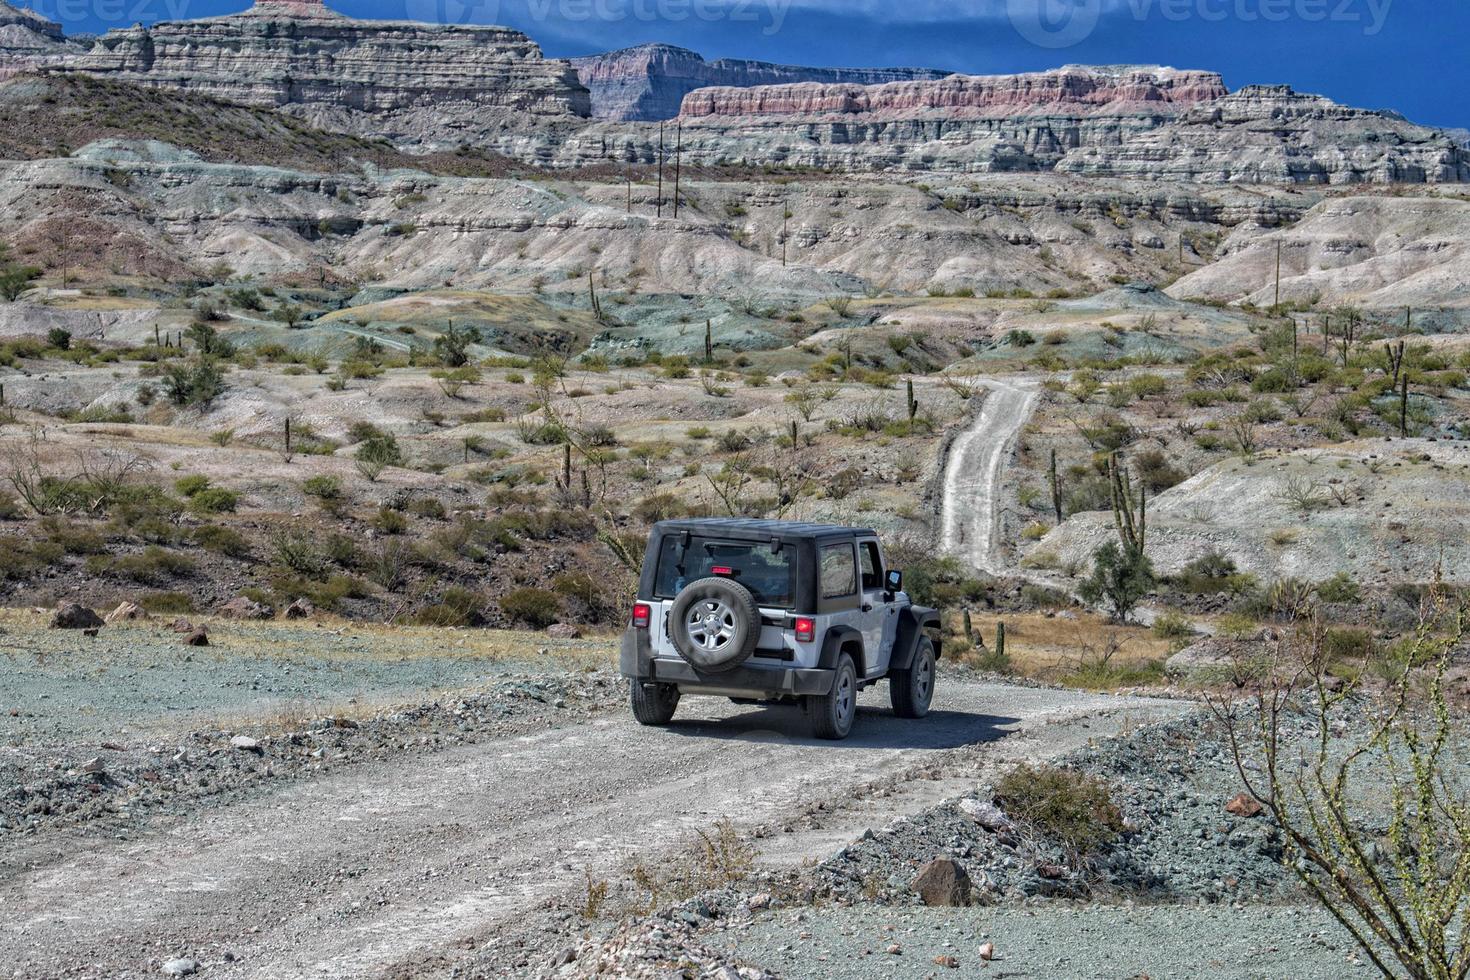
(943,882)
(74,616)
(243,607)
(1244,805)
(126,611)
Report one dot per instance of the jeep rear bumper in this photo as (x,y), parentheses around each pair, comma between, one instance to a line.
(638,663)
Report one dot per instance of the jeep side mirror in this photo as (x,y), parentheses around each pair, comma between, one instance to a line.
(894,580)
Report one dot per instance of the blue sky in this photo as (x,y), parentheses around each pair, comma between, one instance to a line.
(1407,55)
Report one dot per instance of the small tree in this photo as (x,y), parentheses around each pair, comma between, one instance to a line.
(290,314)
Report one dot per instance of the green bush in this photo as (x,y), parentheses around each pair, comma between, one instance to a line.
(215,500)
(537,608)
(323,488)
(1072,809)
(166,603)
(1340,588)
(458,607)
(221,540)
(188,486)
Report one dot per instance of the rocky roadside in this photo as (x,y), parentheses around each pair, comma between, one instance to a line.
(944,888)
(70,785)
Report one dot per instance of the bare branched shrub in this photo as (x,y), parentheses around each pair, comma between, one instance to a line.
(1377,824)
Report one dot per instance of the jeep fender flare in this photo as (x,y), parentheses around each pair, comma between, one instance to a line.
(912,622)
(837,639)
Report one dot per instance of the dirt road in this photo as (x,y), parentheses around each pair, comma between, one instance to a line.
(972,480)
(397,868)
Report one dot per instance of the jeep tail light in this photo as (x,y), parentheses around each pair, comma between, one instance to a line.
(642,613)
(806,630)
(722,570)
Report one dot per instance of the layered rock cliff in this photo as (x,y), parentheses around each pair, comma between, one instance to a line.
(427,84)
(28,41)
(650,82)
(958,124)
(1271,134)
(1073,90)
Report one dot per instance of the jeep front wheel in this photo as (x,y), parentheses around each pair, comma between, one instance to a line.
(912,690)
(831,714)
(654,704)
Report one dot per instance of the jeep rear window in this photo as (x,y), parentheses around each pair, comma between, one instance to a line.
(765,572)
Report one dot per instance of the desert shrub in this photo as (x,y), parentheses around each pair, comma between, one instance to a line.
(389,521)
(166,603)
(298,553)
(153,565)
(1172,626)
(188,486)
(537,608)
(427,507)
(10,507)
(1345,643)
(1121,576)
(214,500)
(377,453)
(1072,809)
(1340,588)
(221,540)
(1213,573)
(325,593)
(198,383)
(388,566)
(1156,472)
(457,607)
(73,539)
(323,488)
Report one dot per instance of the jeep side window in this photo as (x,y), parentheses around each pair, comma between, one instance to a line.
(872,566)
(839,575)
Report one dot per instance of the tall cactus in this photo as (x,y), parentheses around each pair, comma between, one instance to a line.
(1056,486)
(913,402)
(1130,520)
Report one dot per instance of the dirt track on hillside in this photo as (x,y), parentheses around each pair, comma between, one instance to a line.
(972,479)
(399,868)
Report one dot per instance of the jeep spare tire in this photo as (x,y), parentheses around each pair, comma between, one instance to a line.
(715,624)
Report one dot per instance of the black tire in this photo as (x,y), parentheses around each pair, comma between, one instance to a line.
(831,715)
(654,704)
(715,624)
(912,690)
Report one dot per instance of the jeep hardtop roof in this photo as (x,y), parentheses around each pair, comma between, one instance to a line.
(736,527)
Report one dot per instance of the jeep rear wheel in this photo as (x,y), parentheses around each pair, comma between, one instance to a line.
(831,714)
(654,704)
(715,624)
(912,690)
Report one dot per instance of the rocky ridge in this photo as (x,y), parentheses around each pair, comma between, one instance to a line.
(420,84)
(1272,134)
(29,41)
(649,82)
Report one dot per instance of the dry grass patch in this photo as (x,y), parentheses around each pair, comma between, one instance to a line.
(1087,652)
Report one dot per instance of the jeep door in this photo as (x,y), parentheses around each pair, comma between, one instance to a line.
(879,618)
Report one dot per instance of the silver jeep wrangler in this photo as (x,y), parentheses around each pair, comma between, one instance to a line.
(774,611)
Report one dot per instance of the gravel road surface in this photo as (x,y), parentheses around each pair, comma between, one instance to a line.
(406,866)
(1217,941)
